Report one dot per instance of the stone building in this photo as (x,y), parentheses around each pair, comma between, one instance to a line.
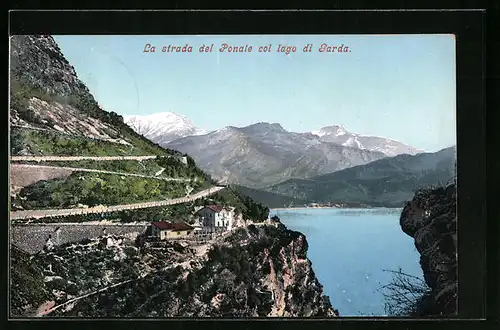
(216,218)
(166,230)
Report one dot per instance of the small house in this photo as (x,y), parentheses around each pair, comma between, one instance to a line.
(216,217)
(166,230)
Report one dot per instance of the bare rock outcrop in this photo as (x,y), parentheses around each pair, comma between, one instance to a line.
(430,218)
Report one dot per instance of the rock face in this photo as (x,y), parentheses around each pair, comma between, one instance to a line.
(430,218)
(291,279)
(47,94)
(39,62)
(257,270)
(50,107)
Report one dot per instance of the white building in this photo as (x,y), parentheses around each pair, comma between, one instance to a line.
(216,218)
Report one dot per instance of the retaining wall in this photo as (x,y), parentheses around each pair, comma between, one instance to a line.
(32,238)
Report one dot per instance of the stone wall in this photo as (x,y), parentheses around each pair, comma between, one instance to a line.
(21,176)
(32,238)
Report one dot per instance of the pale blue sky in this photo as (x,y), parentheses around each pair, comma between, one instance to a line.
(395,86)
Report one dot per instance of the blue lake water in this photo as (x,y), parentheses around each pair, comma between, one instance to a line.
(350,249)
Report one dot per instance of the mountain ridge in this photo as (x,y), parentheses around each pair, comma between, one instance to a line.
(155,127)
(262,154)
(385,182)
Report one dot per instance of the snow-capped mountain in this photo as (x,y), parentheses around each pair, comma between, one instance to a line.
(338,134)
(264,154)
(162,127)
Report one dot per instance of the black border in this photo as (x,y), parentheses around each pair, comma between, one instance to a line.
(469,28)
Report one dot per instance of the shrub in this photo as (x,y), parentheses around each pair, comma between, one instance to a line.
(404,294)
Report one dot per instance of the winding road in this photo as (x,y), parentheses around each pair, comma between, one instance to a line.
(54,131)
(79,169)
(38,214)
(77,158)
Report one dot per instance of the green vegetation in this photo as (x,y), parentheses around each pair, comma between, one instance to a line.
(174,213)
(75,269)
(241,266)
(54,144)
(173,167)
(20,94)
(99,189)
(22,91)
(243,204)
(143,167)
(86,103)
(96,188)
(27,288)
(235,271)
(388,182)
(82,268)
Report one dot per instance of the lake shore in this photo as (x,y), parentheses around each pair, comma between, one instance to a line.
(304,208)
(332,207)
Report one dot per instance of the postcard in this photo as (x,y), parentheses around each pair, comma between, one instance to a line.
(240,176)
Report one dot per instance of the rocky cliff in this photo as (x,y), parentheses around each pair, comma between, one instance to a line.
(259,270)
(430,218)
(48,101)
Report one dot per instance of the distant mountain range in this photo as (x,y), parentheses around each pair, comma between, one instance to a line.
(162,127)
(264,154)
(386,182)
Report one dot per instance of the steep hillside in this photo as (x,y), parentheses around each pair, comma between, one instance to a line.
(263,154)
(256,271)
(50,106)
(53,114)
(27,286)
(385,182)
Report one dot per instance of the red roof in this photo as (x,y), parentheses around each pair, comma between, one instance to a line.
(174,226)
(215,208)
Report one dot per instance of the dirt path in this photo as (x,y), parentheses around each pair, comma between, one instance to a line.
(44,309)
(37,214)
